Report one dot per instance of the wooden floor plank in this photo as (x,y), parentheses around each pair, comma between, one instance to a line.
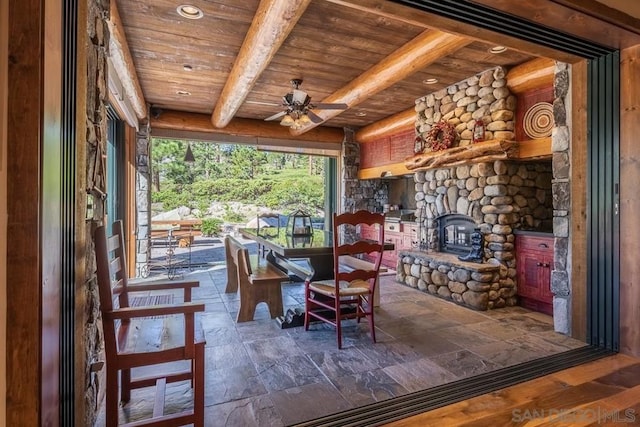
(604,392)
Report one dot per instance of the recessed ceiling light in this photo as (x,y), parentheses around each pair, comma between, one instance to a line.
(361,114)
(187,67)
(497,49)
(430,81)
(189,11)
(183,92)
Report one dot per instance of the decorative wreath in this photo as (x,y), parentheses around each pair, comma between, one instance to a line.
(441,136)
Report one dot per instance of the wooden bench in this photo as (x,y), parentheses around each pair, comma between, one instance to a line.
(258,281)
(183,231)
(349,263)
(123,352)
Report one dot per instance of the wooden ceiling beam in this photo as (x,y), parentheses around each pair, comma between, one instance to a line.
(413,16)
(387,126)
(426,48)
(123,62)
(197,122)
(271,25)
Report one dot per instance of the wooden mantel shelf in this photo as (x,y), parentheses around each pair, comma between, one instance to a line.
(487,151)
(535,149)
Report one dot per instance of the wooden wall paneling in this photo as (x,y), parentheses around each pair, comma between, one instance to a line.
(26,280)
(578,242)
(4,42)
(527,100)
(629,202)
(401,145)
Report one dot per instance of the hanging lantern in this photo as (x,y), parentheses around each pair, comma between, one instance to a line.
(478,131)
(418,144)
(299,224)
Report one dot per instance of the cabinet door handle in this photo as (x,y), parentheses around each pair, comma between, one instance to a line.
(546,265)
(539,264)
(543,245)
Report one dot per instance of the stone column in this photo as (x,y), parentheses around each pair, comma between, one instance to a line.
(560,146)
(143,198)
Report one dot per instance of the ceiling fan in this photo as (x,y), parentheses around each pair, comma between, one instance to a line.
(298,106)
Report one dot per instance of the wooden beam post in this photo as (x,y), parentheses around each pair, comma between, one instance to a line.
(426,48)
(532,74)
(387,126)
(123,62)
(271,25)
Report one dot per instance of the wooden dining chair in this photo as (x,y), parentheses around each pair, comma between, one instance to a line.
(120,348)
(350,293)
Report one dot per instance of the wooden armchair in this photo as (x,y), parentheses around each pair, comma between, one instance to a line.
(117,315)
(350,294)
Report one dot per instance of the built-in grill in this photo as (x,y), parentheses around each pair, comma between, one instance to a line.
(454,233)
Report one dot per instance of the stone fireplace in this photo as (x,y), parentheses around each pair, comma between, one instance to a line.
(495,197)
(454,233)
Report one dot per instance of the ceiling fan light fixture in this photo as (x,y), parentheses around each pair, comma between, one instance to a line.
(304,119)
(287,120)
(189,11)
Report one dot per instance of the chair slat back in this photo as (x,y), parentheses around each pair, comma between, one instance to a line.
(111,271)
(372,248)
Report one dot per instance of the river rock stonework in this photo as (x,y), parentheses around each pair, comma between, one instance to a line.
(477,286)
(483,97)
(501,197)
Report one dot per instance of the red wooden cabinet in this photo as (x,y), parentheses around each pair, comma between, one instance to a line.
(534,262)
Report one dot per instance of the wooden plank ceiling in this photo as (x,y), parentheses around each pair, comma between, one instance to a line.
(333,47)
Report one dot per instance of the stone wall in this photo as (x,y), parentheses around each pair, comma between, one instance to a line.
(143,198)
(482,97)
(368,194)
(561,146)
(96,136)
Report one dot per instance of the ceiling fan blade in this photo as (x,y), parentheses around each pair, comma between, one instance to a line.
(275,116)
(314,117)
(322,106)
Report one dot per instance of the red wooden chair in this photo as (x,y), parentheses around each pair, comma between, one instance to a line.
(330,300)
(115,289)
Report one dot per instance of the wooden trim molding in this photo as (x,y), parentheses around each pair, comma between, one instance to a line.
(579,262)
(629,201)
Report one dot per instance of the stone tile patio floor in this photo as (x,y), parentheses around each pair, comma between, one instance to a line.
(261,375)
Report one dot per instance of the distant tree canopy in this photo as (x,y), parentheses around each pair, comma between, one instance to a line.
(234,173)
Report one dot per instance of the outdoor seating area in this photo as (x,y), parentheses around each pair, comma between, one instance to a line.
(259,374)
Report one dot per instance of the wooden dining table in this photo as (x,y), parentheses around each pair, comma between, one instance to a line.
(304,256)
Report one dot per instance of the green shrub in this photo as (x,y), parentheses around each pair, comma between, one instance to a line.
(211,226)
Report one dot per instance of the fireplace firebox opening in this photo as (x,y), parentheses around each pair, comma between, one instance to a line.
(455,233)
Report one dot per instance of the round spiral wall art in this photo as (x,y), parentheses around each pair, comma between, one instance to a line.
(538,120)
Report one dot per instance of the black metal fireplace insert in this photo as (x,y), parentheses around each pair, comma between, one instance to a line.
(454,233)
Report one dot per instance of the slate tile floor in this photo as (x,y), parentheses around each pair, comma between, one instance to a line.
(260,375)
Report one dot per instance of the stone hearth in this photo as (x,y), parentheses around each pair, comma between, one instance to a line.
(500,197)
